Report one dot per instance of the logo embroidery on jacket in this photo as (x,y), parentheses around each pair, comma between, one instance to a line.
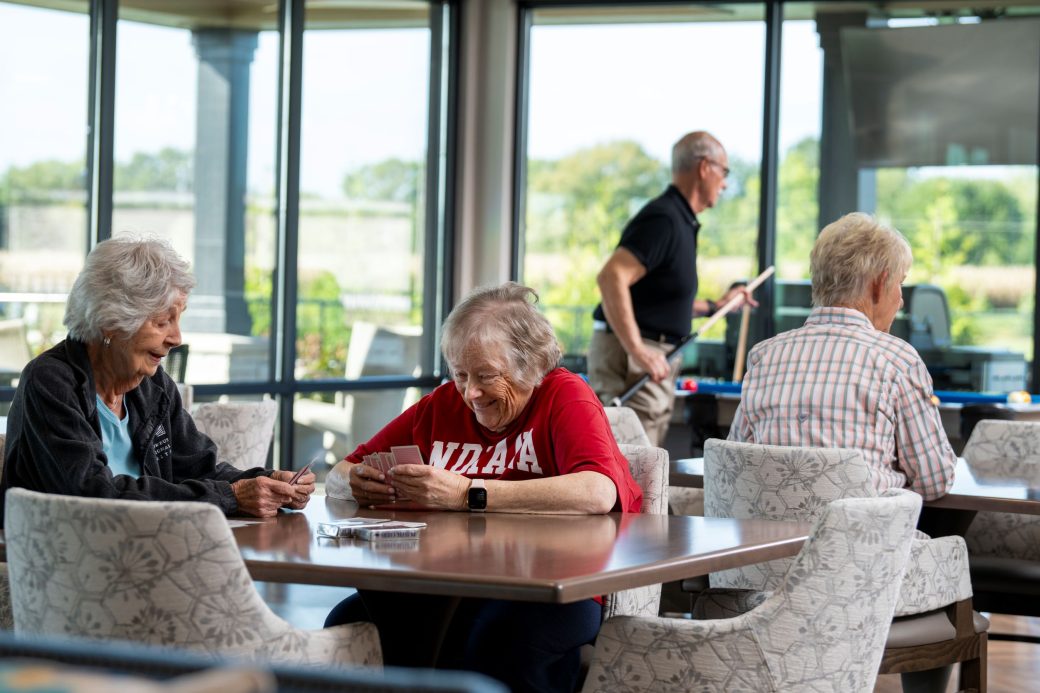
(161,443)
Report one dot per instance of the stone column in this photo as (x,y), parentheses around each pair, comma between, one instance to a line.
(839,172)
(221,143)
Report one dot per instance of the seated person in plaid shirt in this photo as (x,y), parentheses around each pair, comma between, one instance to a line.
(841,380)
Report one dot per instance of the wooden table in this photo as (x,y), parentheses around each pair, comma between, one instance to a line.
(543,558)
(688,472)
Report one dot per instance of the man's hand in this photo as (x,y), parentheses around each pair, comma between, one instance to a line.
(302,489)
(738,290)
(369,485)
(262,496)
(430,487)
(653,362)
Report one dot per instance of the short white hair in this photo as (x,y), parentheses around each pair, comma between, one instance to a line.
(850,253)
(124,282)
(504,319)
(691,148)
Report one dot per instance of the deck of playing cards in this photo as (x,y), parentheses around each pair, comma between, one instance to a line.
(399,454)
(390,530)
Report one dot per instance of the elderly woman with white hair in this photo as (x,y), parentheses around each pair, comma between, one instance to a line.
(97,416)
(841,380)
(511,433)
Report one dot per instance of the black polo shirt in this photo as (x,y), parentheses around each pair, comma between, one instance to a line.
(663,237)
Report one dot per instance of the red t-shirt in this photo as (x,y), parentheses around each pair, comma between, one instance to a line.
(562,430)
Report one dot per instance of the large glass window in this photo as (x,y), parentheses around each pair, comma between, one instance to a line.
(43,136)
(194,164)
(362,228)
(610,92)
(939,139)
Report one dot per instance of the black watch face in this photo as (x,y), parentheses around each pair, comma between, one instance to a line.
(477,499)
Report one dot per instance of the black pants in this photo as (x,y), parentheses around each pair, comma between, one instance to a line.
(529,647)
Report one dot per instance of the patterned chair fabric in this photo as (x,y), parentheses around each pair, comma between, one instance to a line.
(746,480)
(794,640)
(156,573)
(684,500)
(1006,447)
(241,430)
(649,467)
(626,426)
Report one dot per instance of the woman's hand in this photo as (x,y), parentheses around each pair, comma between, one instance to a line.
(369,485)
(302,489)
(430,487)
(262,496)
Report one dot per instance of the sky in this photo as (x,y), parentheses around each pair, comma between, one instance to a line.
(589,85)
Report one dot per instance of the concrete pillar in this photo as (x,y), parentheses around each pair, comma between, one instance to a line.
(839,174)
(221,143)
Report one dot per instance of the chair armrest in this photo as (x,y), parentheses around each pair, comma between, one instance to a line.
(652,653)
(936,575)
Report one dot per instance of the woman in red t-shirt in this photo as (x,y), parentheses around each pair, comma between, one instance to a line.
(512,433)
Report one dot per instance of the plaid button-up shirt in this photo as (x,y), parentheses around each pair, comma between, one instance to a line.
(838,382)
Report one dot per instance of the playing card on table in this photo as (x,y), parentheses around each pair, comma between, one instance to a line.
(407,454)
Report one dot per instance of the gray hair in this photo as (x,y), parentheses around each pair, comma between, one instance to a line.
(691,148)
(504,318)
(124,282)
(852,251)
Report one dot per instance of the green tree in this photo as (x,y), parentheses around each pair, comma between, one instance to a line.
(168,169)
(26,183)
(797,209)
(393,180)
(576,209)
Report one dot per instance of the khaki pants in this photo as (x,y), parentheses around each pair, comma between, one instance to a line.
(612,372)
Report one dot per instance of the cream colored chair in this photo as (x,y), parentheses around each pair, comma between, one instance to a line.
(937,626)
(1004,548)
(626,427)
(155,573)
(649,467)
(823,628)
(241,430)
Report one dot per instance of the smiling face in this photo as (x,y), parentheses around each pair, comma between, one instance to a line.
(486,385)
(154,339)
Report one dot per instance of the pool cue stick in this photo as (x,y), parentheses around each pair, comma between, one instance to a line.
(738,362)
(719,314)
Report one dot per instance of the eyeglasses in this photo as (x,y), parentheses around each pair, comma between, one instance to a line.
(725,169)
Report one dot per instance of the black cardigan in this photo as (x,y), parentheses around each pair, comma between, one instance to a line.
(54,438)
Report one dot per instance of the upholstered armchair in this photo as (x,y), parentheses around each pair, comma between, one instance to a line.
(155,573)
(822,628)
(626,427)
(241,430)
(745,480)
(649,467)
(1004,548)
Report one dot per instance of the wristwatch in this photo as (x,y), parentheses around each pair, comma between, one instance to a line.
(476,497)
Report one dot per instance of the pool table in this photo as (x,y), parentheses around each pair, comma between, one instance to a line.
(723,397)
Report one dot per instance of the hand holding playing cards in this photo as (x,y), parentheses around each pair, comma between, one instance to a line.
(302,487)
(430,487)
(368,485)
(262,496)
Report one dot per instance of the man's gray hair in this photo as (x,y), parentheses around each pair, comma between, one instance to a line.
(691,148)
(850,253)
(124,282)
(504,319)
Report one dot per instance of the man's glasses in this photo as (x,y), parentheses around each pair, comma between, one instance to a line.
(725,169)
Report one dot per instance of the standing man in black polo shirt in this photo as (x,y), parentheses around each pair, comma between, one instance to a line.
(649,283)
